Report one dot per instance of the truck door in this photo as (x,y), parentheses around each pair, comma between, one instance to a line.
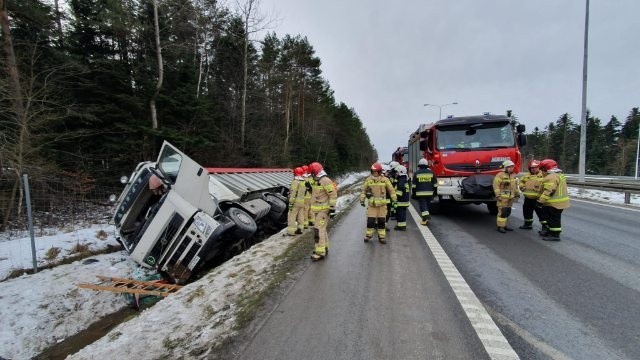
(186,177)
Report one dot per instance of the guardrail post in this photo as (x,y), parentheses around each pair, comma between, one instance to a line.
(627,197)
(27,194)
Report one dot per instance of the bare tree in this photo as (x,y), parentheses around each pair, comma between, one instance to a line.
(152,102)
(253,22)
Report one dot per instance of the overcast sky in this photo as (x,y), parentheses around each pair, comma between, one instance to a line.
(386,59)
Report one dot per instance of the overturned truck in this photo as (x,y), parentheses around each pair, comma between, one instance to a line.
(198,214)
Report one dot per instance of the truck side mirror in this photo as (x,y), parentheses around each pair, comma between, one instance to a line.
(522,139)
(520,128)
(423,145)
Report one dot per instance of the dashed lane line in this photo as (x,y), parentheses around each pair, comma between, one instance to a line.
(494,342)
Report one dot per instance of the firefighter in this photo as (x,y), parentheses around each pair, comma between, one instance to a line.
(392,176)
(323,204)
(297,192)
(425,185)
(506,191)
(402,194)
(553,200)
(308,219)
(531,187)
(375,188)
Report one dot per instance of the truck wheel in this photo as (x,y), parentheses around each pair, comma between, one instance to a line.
(493,208)
(245,225)
(278,206)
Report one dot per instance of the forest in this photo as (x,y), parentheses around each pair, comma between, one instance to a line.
(611,147)
(92,87)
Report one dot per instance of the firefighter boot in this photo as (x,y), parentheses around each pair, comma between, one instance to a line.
(552,236)
(525,227)
(507,228)
(382,240)
(501,230)
(316,256)
(424,222)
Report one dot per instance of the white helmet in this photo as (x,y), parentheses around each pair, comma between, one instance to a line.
(423,162)
(508,163)
(393,164)
(401,170)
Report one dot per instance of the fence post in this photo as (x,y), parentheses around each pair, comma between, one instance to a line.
(25,177)
(627,197)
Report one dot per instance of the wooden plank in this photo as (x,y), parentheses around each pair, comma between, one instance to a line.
(132,286)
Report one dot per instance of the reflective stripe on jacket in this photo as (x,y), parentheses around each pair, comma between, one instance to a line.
(402,191)
(504,186)
(424,182)
(531,185)
(378,187)
(554,191)
(324,194)
(297,191)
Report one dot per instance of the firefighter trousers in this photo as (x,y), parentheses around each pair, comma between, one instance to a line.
(504,210)
(401,216)
(528,208)
(320,235)
(295,218)
(423,202)
(552,219)
(376,219)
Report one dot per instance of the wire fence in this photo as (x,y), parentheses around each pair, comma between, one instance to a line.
(65,201)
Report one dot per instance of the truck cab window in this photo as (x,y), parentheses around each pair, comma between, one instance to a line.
(169,164)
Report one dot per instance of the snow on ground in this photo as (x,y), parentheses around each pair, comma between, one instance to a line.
(41,309)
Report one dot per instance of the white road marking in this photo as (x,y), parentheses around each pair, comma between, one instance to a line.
(494,342)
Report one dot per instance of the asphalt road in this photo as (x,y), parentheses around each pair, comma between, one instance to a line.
(578,298)
(574,299)
(369,301)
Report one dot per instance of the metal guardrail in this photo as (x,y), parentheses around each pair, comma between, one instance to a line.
(613,183)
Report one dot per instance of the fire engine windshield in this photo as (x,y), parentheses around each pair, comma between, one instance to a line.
(478,136)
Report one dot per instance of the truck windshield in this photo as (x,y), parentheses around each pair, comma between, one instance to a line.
(475,136)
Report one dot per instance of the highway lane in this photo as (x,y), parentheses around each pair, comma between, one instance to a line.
(578,298)
(369,301)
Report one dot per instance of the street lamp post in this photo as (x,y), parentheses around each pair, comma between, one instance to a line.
(440,107)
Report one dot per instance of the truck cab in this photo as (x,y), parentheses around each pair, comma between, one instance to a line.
(195,217)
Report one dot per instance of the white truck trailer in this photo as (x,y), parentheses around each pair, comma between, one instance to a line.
(202,213)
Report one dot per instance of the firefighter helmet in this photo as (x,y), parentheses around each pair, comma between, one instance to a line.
(508,163)
(298,171)
(548,164)
(376,167)
(305,168)
(534,164)
(402,171)
(393,165)
(423,162)
(315,168)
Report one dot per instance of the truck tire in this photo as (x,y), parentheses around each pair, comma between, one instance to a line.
(245,226)
(278,206)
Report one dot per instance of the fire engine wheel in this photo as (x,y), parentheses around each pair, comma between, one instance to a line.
(245,225)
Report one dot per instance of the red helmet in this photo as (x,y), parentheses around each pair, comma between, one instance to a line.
(534,163)
(548,164)
(315,168)
(376,167)
(305,169)
(298,171)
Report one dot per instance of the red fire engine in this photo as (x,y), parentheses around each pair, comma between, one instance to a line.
(465,153)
